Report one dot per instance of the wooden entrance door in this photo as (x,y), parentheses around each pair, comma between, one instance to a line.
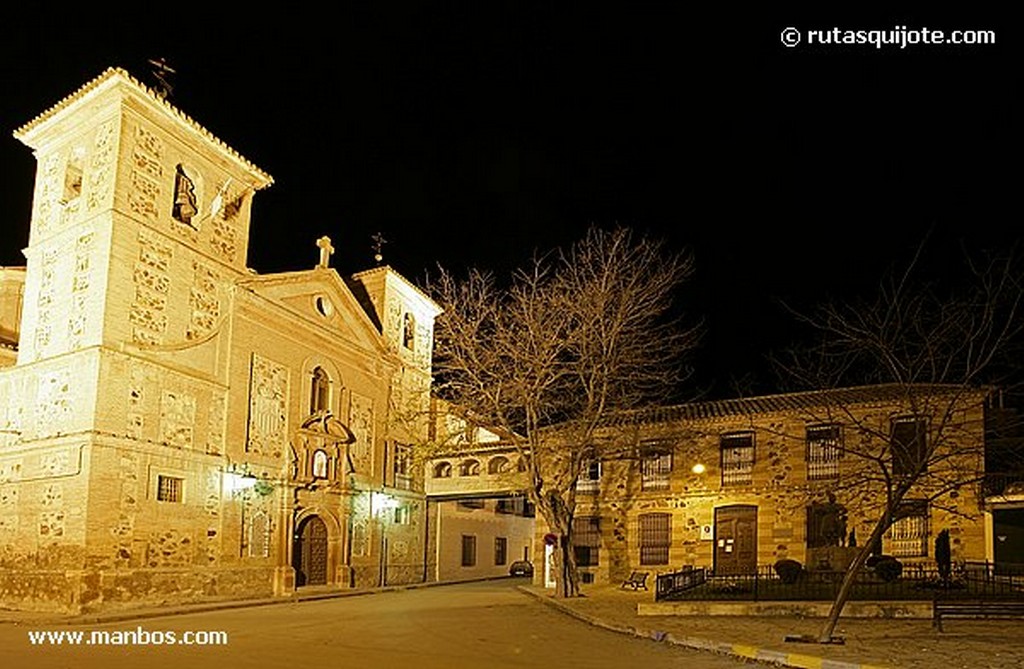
(310,555)
(736,539)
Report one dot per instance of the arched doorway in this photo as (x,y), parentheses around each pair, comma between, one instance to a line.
(309,556)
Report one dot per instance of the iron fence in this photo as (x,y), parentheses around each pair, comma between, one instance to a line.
(917,582)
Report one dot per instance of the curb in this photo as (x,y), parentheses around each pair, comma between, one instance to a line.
(742,651)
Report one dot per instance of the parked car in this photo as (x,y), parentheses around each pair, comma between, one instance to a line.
(521,568)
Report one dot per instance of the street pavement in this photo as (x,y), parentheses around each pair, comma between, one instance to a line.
(487,624)
(503,623)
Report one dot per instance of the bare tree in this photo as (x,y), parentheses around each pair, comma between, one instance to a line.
(576,336)
(941,349)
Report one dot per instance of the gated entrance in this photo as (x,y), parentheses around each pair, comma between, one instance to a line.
(309,556)
(736,539)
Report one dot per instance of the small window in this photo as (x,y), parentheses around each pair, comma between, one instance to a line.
(909,446)
(403,466)
(185,207)
(402,515)
(656,471)
(590,477)
(500,551)
(469,468)
(470,504)
(737,452)
(320,391)
(319,464)
(169,488)
(505,506)
(443,470)
(468,550)
(409,332)
(73,177)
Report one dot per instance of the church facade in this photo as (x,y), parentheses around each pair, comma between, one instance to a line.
(174,426)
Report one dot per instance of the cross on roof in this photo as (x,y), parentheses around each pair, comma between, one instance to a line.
(326,250)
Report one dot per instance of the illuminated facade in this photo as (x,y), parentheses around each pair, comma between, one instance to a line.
(742,483)
(174,426)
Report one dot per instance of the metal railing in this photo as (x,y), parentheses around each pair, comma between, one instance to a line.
(917,582)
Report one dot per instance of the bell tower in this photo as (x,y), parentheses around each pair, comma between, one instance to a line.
(113,417)
(138,214)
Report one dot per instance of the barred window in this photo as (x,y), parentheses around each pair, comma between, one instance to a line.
(655,538)
(403,466)
(824,450)
(737,452)
(586,540)
(168,488)
(656,471)
(908,536)
(500,551)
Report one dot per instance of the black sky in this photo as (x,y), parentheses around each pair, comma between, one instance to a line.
(472,136)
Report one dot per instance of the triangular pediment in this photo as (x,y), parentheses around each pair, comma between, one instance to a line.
(320,297)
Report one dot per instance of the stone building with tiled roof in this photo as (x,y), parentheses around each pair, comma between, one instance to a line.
(738,484)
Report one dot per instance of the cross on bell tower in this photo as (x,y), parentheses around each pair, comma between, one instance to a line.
(326,250)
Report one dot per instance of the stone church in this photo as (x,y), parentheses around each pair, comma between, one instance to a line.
(174,425)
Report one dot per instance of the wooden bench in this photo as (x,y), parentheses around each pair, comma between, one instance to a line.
(636,580)
(976,608)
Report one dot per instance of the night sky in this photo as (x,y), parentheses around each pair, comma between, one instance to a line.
(471,136)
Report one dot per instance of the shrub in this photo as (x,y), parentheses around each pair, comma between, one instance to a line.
(888,568)
(788,571)
(943,556)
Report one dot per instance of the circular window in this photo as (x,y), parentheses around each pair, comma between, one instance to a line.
(324,306)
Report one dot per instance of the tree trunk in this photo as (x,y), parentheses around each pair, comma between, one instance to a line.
(559,521)
(850,578)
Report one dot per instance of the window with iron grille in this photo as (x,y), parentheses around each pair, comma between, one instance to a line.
(500,551)
(468,550)
(169,488)
(908,536)
(586,540)
(655,538)
(656,470)
(403,466)
(590,477)
(909,445)
(737,458)
(824,450)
